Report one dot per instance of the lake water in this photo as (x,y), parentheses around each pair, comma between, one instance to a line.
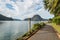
(11,30)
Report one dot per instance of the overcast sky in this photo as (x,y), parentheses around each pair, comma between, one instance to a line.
(21,9)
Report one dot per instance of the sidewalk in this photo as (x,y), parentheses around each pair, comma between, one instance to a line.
(47,33)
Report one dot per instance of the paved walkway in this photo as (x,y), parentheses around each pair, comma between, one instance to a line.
(47,33)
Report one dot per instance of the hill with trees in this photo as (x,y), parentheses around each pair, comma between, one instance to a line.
(36,18)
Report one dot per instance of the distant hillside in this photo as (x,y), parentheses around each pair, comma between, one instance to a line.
(4,18)
(17,20)
(27,19)
(36,18)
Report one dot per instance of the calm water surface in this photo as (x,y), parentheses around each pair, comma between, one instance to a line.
(11,30)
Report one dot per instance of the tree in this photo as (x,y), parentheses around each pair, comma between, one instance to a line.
(53,6)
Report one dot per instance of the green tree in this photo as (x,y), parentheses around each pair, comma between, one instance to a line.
(53,6)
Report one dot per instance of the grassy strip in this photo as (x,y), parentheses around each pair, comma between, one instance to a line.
(35,28)
(56,27)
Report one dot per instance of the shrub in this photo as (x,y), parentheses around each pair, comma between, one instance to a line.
(57,20)
(50,20)
(36,26)
(42,24)
(26,34)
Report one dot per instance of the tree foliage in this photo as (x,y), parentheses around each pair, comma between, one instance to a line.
(53,6)
(56,20)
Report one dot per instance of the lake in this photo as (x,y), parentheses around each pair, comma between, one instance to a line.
(11,30)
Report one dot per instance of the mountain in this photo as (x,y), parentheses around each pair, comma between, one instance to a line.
(4,18)
(35,18)
(27,19)
(17,20)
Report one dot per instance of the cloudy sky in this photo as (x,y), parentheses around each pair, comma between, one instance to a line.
(21,9)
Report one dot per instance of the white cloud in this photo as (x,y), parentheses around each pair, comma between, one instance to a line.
(24,9)
(7,12)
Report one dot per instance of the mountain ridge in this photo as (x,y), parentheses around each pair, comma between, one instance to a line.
(36,18)
(4,18)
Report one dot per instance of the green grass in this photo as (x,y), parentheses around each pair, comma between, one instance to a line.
(56,27)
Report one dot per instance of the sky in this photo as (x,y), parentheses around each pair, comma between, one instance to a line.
(21,9)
